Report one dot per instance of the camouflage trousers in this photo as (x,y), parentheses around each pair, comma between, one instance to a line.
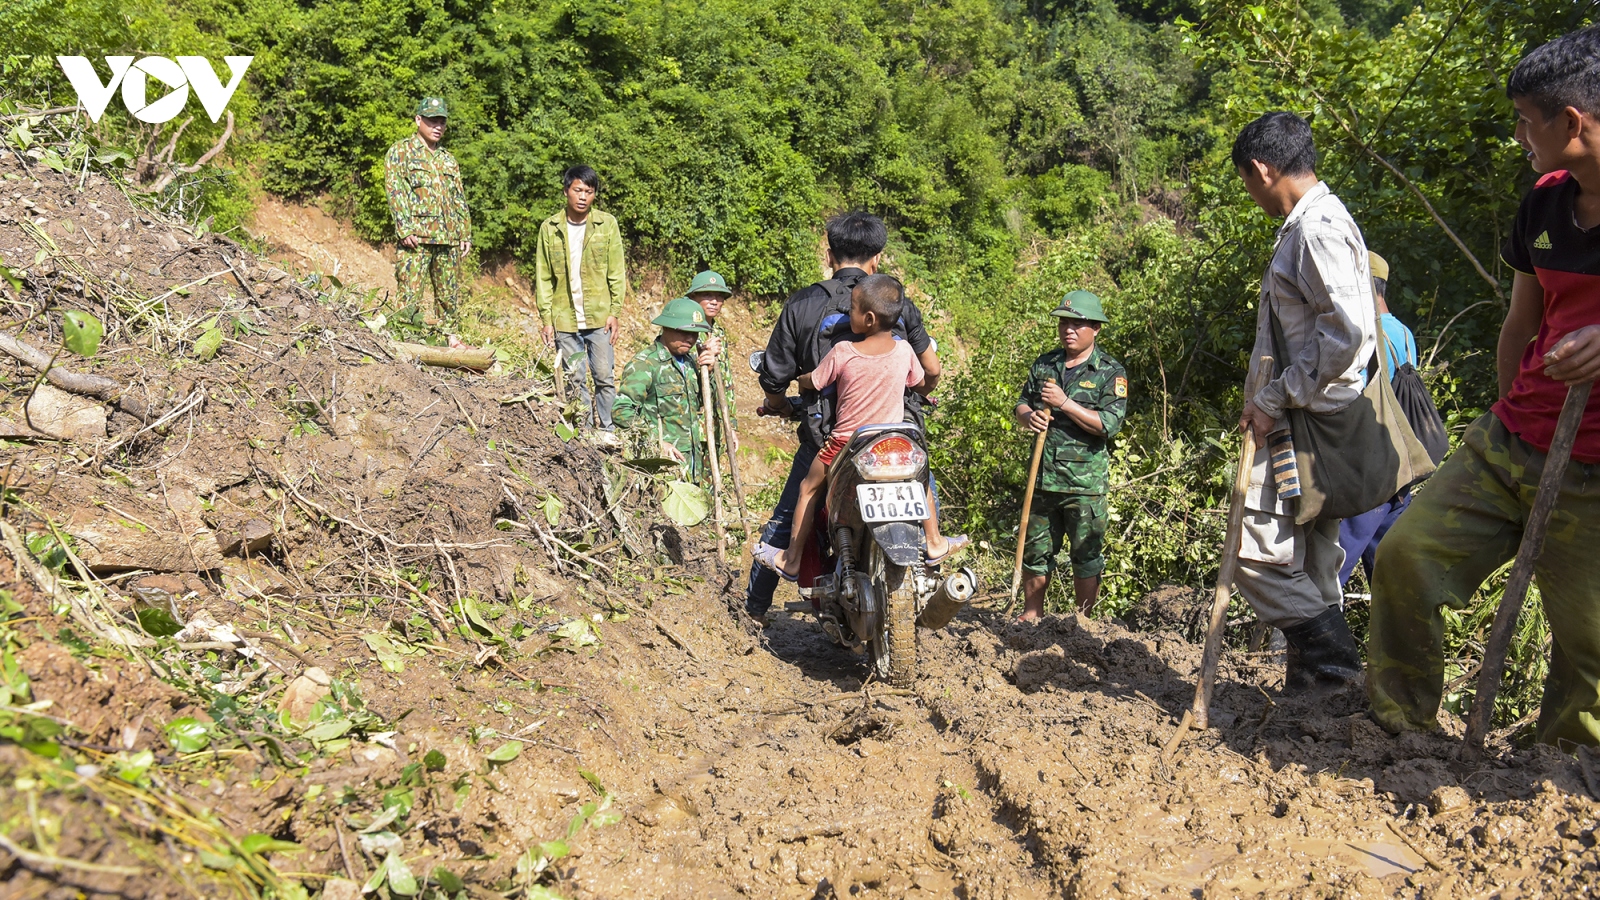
(413,269)
(1079,519)
(1464,523)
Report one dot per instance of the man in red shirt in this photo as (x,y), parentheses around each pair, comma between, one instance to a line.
(1467,520)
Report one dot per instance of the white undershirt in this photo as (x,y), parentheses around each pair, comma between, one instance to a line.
(575,231)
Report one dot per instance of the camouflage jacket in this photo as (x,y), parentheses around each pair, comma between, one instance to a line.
(658,399)
(425,195)
(1076,461)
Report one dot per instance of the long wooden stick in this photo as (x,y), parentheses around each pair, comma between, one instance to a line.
(1505,617)
(716,467)
(1201,709)
(1027,508)
(733,463)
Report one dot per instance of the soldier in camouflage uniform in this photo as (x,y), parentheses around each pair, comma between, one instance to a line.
(429,207)
(711,290)
(1082,409)
(658,402)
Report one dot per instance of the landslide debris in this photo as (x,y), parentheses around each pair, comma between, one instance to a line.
(316,618)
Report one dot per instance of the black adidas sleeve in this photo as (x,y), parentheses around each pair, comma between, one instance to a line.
(1516,253)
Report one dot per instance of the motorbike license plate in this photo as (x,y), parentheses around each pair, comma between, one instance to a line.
(897,502)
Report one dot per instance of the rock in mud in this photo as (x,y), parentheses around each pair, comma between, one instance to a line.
(303,694)
(252,537)
(60,414)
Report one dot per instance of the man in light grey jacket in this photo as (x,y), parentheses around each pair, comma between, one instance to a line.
(1319,288)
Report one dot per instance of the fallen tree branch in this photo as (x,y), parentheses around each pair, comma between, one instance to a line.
(81,383)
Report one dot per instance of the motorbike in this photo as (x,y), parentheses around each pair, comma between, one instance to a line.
(876,586)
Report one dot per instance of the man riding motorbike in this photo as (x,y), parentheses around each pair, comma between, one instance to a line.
(814,319)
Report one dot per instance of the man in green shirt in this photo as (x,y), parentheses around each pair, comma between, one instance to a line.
(659,404)
(423,184)
(1078,396)
(579,284)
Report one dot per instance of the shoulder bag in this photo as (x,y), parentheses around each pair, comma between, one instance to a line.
(1352,460)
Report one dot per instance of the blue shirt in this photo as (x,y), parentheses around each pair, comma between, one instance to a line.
(1402,343)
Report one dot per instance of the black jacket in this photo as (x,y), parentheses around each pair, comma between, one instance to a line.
(815,318)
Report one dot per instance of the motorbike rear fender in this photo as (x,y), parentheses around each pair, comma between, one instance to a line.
(901,541)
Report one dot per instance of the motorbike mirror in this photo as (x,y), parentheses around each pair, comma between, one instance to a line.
(756,359)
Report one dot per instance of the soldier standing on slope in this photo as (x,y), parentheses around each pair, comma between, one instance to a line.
(429,207)
(1078,395)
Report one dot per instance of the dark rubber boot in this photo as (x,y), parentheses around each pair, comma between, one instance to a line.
(1321,652)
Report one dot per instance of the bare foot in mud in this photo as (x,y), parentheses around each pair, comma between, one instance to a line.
(1030,618)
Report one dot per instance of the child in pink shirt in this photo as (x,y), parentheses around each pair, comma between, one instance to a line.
(871,376)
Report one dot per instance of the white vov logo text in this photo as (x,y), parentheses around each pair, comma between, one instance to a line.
(180,75)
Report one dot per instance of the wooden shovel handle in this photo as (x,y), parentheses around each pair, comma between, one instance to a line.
(1229,567)
(1027,509)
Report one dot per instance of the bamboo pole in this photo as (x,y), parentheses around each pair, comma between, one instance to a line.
(1505,617)
(1212,655)
(733,463)
(716,467)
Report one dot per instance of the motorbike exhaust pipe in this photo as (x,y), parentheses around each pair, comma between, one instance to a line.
(952,594)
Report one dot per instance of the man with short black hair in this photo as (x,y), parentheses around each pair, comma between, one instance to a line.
(1468,521)
(1317,296)
(814,319)
(579,284)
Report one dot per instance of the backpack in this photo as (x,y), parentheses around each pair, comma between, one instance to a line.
(1417,404)
(818,413)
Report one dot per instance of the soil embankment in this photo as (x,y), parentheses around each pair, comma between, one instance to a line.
(431,646)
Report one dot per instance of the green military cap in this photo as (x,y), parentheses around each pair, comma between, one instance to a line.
(433,106)
(683,314)
(1080,305)
(709,281)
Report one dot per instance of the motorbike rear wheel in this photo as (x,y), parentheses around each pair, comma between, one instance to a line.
(894,648)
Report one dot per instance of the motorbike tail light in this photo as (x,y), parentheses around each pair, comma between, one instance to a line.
(891,457)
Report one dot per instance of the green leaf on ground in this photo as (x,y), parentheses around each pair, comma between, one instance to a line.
(329,730)
(552,509)
(207,344)
(448,881)
(685,503)
(434,761)
(133,767)
(565,432)
(391,652)
(187,735)
(576,632)
(81,332)
(156,621)
(265,843)
(505,753)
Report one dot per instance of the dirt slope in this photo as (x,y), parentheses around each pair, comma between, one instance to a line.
(513,705)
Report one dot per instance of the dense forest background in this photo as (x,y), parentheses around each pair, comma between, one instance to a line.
(1017,150)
